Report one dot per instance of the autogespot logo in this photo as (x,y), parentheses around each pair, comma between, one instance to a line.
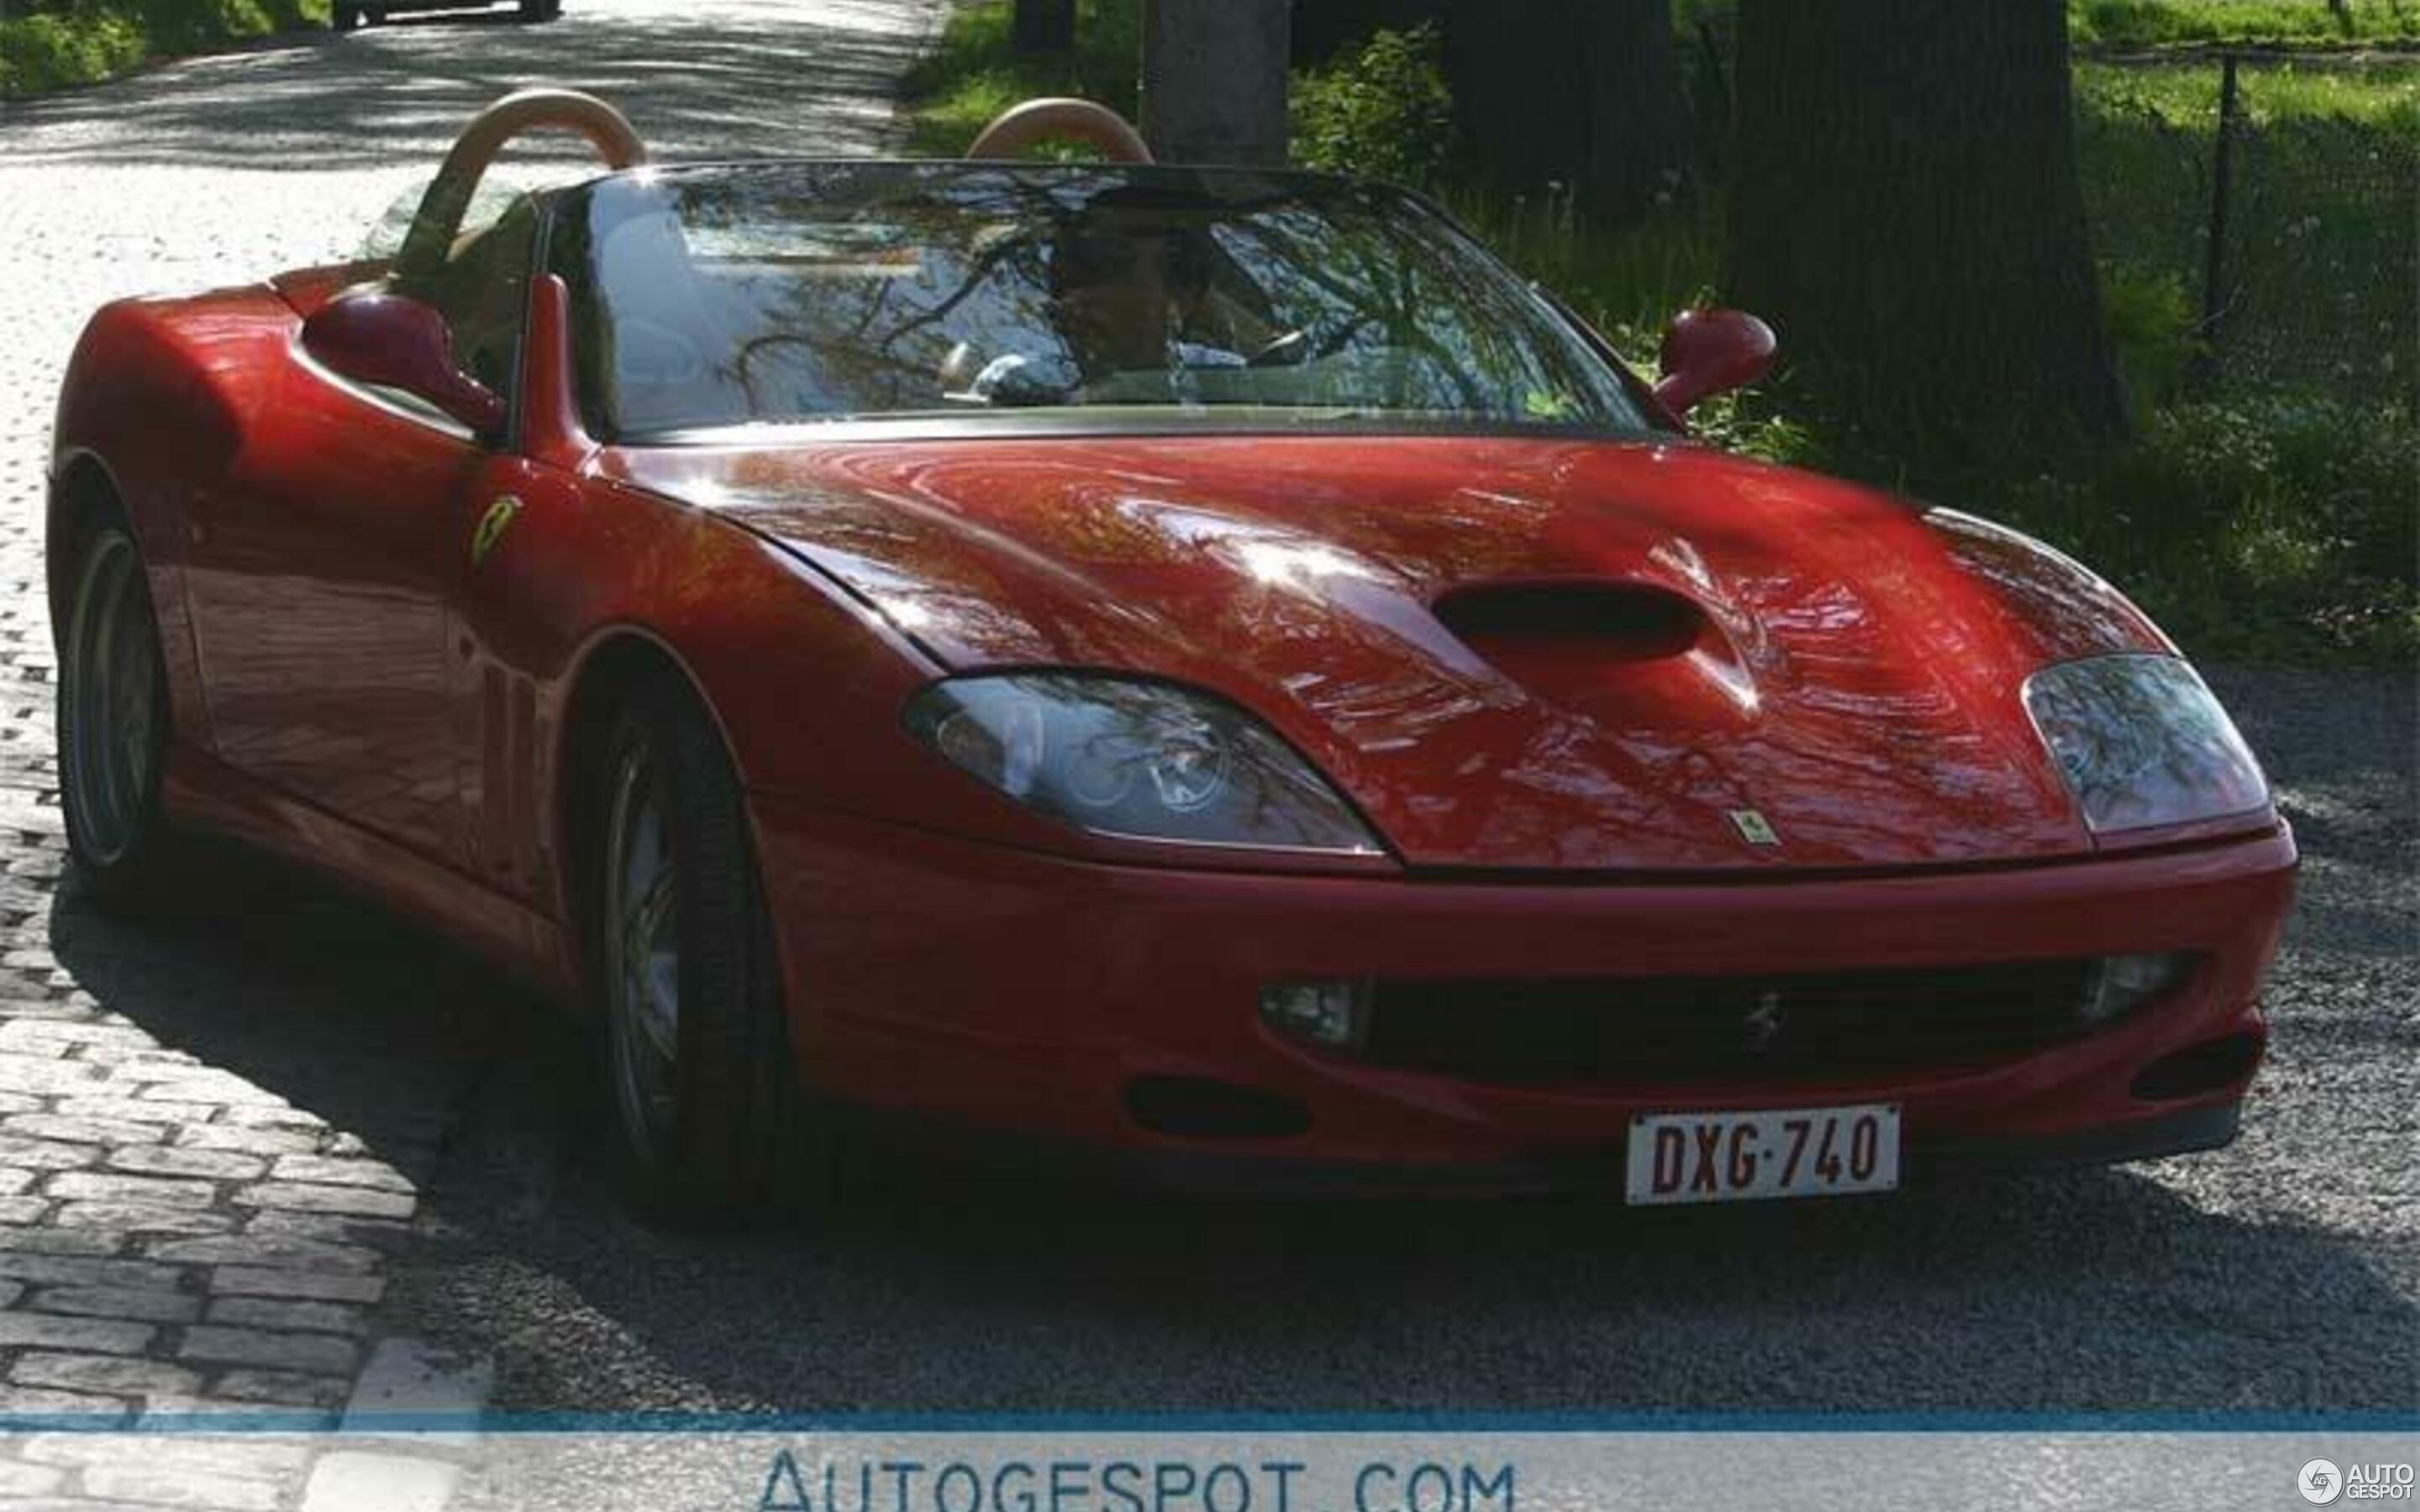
(2321,1482)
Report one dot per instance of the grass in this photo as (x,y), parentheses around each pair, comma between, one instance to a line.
(2132,25)
(2319,267)
(91,40)
(2270,511)
(2144,23)
(973,74)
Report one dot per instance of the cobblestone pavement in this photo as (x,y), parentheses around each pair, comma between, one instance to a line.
(214,1134)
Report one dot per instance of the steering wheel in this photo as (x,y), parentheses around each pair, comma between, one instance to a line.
(440,217)
(1073,120)
(750,351)
(1302,344)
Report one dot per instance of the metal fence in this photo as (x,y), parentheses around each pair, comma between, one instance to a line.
(2289,231)
(2282,233)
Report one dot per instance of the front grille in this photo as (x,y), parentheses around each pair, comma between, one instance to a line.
(1615,1031)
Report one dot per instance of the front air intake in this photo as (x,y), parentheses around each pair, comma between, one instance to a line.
(1196,1107)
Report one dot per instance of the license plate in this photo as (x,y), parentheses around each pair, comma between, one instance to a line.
(1783,1152)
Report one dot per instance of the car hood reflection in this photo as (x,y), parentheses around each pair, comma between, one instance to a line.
(1685,661)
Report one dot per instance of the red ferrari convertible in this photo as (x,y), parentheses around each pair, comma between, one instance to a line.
(1198,665)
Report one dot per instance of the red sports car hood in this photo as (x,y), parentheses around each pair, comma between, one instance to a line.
(1511,654)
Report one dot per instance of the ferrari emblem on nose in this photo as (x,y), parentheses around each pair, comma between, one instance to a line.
(1763,1021)
(492,525)
(1754,827)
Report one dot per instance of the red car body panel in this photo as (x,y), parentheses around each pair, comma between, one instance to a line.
(1066,979)
(350,688)
(1842,674)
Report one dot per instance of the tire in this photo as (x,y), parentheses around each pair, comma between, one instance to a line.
(532,11)
(113,722)
(348,18)
(699,1079)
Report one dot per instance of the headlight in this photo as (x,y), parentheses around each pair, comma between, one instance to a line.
(2143,743)
(1142,759)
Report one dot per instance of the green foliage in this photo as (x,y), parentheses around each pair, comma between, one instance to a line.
(2142,24)
(2156,328)
(86,42)
(973,74)
(2184,96)
(2278,526)
(2261,529)
(2317,284)
(1385,112)
(2128,25)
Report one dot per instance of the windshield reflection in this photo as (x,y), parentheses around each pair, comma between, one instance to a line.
(798,293)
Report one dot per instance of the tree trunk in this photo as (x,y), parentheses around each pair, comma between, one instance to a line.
(1043,25)
(1213,80)
(1906,212)
(1577,98)
(1324,28)
(1640,148)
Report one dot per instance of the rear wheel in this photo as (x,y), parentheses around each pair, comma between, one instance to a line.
(700,1078)
(113,721)
(348,18)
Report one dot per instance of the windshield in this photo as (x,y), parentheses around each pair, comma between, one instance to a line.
(790,293)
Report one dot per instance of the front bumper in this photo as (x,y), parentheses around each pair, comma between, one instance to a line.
(1028,994)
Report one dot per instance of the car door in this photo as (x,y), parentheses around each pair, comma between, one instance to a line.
(324,571)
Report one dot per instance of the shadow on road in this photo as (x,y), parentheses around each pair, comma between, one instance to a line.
(937,1288)
(766,78)
(336,1008)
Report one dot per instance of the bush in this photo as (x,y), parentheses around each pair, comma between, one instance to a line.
(56,47)
(2156,329)
(2337,480)
(1385,112)
(2267,528)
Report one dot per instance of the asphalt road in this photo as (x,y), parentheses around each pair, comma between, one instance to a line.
(2282,1273)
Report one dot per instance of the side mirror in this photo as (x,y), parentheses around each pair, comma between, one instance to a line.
(1708,352)
(398,342)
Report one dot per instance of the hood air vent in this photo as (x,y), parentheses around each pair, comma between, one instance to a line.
(1516,624)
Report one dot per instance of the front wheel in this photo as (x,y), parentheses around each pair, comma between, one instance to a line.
(113,721)
(698,1067)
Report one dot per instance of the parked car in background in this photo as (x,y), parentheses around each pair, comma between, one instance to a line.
(348,16)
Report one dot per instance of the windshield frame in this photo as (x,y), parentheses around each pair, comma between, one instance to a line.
(559,204)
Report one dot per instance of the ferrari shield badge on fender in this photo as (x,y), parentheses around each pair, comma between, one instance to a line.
(1754,827)
(492,526)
